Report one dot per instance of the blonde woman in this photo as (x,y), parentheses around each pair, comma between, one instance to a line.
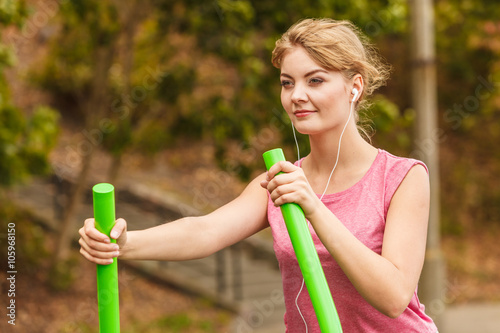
(367,210)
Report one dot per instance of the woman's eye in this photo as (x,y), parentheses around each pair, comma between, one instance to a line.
(314,81)
(286,83)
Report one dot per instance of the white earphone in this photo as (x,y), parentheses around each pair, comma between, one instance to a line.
(355,92)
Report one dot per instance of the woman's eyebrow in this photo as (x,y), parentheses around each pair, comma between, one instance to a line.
(314,71)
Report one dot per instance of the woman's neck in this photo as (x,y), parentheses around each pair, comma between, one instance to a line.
(355,153)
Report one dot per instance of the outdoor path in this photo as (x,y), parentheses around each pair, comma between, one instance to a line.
(260,305)
(472,318)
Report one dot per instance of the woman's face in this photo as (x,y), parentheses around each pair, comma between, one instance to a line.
(314,98)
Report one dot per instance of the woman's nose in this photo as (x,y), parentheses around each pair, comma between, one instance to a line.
(299,95)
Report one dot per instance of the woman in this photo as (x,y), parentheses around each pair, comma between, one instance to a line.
(369,224)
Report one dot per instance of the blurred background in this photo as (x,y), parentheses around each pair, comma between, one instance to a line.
(174,101)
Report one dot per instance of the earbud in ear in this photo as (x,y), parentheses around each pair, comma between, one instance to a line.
(355,92)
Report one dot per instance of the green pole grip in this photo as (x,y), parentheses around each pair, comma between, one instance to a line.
(107,275)
(310,266)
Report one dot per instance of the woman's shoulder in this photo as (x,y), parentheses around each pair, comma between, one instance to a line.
(392,163)
(394,170)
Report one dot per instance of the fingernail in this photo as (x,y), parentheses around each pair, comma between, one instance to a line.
(114,234)
(116,247)
(107,240)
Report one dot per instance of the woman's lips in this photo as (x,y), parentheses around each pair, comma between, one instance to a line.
(303,113)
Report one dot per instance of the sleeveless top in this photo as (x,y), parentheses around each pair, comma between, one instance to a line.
(363,210)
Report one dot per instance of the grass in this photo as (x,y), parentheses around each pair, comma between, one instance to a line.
(172,323)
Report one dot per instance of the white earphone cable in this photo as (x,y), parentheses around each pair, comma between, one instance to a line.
(338,152)
(296,142)
(326,187)
(297,305)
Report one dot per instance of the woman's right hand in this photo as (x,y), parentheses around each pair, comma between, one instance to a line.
(97,247)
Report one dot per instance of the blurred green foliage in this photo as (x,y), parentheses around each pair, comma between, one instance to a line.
(25,140)
(392,125)
(213,59)
(201,69)
(468,54)
(13,12)
(33,251)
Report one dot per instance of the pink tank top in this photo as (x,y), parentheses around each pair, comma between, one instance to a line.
(363,210)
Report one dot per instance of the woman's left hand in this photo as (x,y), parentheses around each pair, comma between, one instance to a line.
(291,186)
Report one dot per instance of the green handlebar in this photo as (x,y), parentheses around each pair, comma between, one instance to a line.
(107,275)
(308,259)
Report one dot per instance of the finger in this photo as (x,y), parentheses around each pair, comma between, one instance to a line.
(282,192)
(274,170)
(284,199)
(99,250)
(87,256)
(282,166)
(288,167)
(98,245)
(280,180)
(119,227)
(91,231)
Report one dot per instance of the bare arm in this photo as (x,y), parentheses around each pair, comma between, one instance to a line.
(186,238)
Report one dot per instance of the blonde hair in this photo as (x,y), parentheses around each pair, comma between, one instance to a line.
(340,46)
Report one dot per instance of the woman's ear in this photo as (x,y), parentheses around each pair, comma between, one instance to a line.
(357,83)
